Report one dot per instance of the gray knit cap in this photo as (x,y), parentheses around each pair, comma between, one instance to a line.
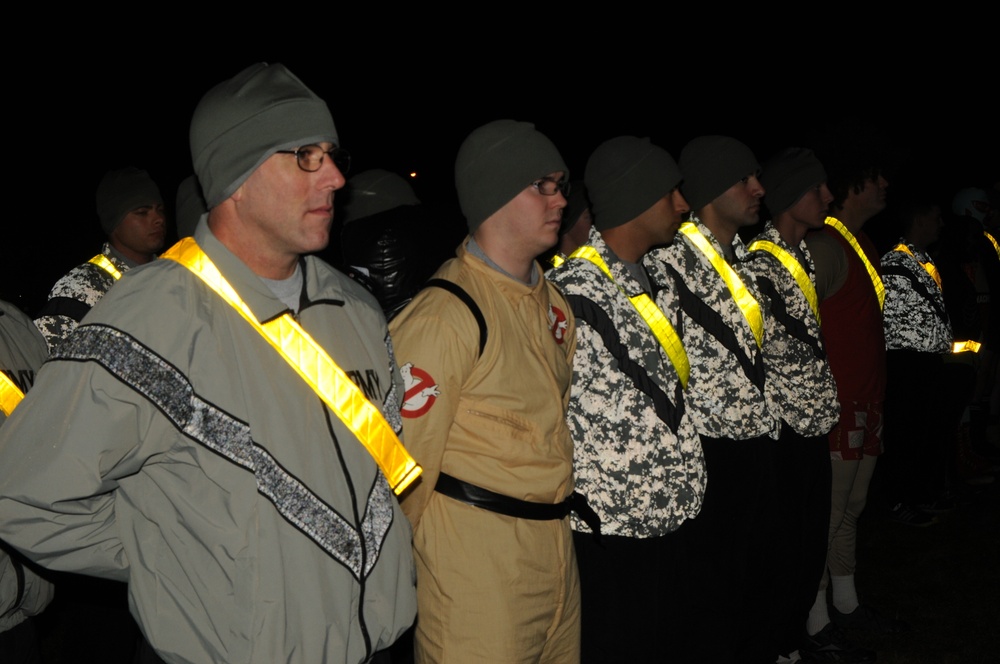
(788,175)
(496,162)
(190,206)
(373,191)
(121,191)
(711,165)
(625,176)
(242,121)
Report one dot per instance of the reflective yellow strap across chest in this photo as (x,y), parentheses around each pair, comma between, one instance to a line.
(654,317)
(930,268)
(795,268)
(103,262)
(994,242)
(316,368)
(741,295)
(872,273)
(10,394)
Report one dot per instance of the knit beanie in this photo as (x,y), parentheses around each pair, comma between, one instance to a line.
(788,175)
(190,206)
(373,191)
(625,176)
(496,162)
(121,191)
(241,122)
(711,165)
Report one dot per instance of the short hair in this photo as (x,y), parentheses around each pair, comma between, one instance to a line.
(852,152)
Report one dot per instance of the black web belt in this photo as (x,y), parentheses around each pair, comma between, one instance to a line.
(470,494)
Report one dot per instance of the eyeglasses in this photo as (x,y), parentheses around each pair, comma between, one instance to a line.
(310,157)
(549,186)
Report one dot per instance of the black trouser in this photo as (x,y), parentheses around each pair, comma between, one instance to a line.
(917,429)
(631,606)
(803,479)
(730,556)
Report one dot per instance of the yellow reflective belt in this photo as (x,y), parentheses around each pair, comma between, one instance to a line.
(746,302)
(993,241)
(792,265)
(10,394)
(101,261)
(872,273)
(557,260)
(657,322)
(928,266)
(317,368)
(965,346)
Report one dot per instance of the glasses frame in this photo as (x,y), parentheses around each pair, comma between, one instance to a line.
(303,155)
(548,186)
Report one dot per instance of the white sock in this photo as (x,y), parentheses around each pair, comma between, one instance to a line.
(819,617)
(845,595)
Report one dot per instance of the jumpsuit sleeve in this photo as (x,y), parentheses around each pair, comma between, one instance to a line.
(436,350)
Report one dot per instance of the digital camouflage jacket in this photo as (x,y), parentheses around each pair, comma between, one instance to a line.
(726,390)
(637,456)
(914,315)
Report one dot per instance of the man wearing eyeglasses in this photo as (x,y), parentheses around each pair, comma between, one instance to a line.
(487,370)
(221,432)
(130,209)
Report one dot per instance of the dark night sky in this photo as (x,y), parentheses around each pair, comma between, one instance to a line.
(406,104)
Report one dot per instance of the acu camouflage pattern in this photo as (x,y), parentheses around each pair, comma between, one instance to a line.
(914,314)
(642,477)
(723,400)
(800,387)
(85,284)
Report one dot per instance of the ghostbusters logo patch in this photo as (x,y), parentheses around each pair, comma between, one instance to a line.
(557,324)
(420,391)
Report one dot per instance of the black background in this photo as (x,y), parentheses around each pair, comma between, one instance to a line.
(404,95)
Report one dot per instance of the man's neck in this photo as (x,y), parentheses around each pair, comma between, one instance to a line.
(790,230)
(913,239)
(723,232)
(506,258)
(625,243)
(256,255)
(854,220)
(132,257)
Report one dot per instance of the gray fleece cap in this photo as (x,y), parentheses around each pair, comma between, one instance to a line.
(498,161)
(374,191)
(121,191)
(625,176)
(711,165)
(788,175)
(241,122)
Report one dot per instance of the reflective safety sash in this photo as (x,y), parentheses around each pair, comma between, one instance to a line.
(316,368)
(872,273)
(102,261)
(557,260)
(965,346)
(993,241)
(655,319)
(928,266)
(795,268)
(10,394)
(744,299)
